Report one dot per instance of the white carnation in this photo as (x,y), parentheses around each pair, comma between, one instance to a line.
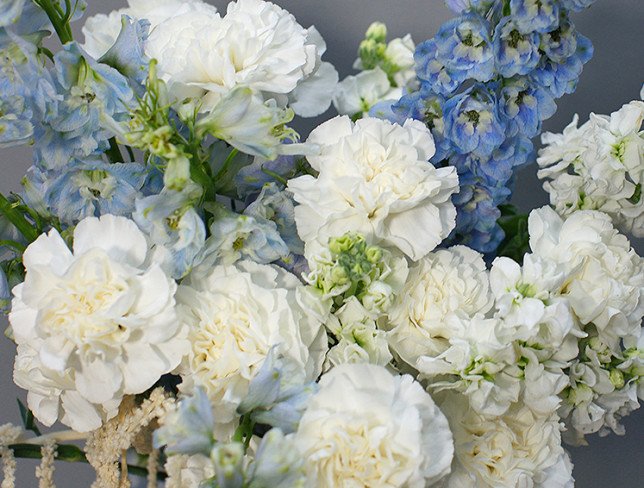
(605,285)
(188,471)
(256,44)
(367,427)
(235,314)
(374,179)
(444,283)
(518,449)
(101,30)
(93,324)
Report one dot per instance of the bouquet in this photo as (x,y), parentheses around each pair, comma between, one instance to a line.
(204,297)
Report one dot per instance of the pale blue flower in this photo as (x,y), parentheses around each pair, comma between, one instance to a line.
(175,229)
(277,464)
(93,188)
(524,105)
(234,237)
(27,94)
(515,53)
(472,122)
(535,15)
(190,428)
(227,460)
(561,78)
(5,292)
(10,11)
(278,206)
(278,394)
(15,117)
(251,178)
(127,54)
(426,106)
(433,72)
(576,5)
(463,44)
(458,6)
(89,91)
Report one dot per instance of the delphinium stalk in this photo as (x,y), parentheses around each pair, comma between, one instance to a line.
(487,81)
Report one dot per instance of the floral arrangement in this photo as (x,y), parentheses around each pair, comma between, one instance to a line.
(203,297)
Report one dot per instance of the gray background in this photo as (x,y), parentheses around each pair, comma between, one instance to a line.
(613,77)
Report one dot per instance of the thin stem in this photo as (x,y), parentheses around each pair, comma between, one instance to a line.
(72,454)
(57,18)
(224,167)
(17,219)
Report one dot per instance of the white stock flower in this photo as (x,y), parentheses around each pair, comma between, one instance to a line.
(360,340)
(257,44)
(235,314)
(444,283)
(367,427)
(517,449)
(374,179)
(479,362)
(93,324)
(605,285)
(357,94)
(101,30)
(599,166)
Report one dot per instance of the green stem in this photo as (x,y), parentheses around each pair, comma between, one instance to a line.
(224,167)
(58,20)
(17,219)
(71,454)
(16,246)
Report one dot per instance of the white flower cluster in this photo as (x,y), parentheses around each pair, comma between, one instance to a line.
(598,166)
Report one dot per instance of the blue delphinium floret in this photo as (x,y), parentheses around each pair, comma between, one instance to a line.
(472,121)
(576,5)
(463,45)
(515,53)
(10,11)
(27,92)
(433,73)
(93,188)
(561,43)
(523,105)
(190,428)
(89,91)
(127,54)
(561,78)
(480,6)
(535,15)
(277,464)
(278,394)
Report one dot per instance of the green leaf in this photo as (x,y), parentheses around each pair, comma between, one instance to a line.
(28,419)
(515,226)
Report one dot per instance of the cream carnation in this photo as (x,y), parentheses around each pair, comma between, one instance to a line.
(605,285)
(366,427)
(235,314)
(518,449)
(101,30)
(92,324)
(256,44)
(374,179)
(446,282)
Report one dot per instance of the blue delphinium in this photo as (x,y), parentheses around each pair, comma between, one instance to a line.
(515,53)
(88,91)
(10,11)
(472,122)
(93,188)
(464,46)
(487,81)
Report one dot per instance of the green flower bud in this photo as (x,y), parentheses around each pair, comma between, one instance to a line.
(377,32)
(617,378)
